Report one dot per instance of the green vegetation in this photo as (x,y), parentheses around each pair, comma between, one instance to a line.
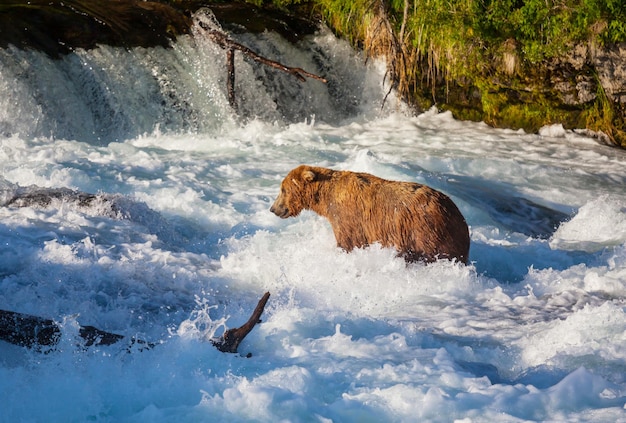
(545,28)
(491,60)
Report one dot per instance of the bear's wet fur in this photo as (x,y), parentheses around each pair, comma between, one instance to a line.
(422,223)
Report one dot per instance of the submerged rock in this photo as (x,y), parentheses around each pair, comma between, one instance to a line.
(35,197)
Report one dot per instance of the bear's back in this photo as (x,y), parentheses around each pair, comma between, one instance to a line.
(419,221)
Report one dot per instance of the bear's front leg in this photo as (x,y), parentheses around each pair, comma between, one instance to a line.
(349,237)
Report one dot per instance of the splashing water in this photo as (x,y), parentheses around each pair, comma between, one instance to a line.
(533,330)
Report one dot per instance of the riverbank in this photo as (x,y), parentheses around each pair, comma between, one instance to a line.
(509,64)
(526,75)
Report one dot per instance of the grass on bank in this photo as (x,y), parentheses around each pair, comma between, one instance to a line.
(490,57)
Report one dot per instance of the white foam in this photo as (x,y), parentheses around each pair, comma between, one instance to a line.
(599,224)
(555,342)
(553,131)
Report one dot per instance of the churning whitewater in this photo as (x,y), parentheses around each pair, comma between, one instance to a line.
(179,244)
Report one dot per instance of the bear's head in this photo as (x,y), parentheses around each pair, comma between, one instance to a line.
(295,192)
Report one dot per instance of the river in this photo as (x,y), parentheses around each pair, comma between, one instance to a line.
(181,245)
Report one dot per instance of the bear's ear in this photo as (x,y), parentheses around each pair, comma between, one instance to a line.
(308,175)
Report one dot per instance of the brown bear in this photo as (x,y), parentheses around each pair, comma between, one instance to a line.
(420,222)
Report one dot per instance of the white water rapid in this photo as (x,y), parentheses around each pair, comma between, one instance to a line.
(182,244)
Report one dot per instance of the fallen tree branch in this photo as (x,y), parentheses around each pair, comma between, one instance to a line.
(232,338)
(41,334)
(223,41)
(230,81)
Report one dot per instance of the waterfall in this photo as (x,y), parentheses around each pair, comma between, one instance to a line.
(112,94)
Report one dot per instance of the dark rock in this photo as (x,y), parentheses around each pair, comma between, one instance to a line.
(610,65)
(244,17)
(57,27)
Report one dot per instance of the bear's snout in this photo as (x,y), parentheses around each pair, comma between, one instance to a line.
(280,211)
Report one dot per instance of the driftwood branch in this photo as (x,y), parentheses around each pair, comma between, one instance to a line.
(232,338)
(39,333)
